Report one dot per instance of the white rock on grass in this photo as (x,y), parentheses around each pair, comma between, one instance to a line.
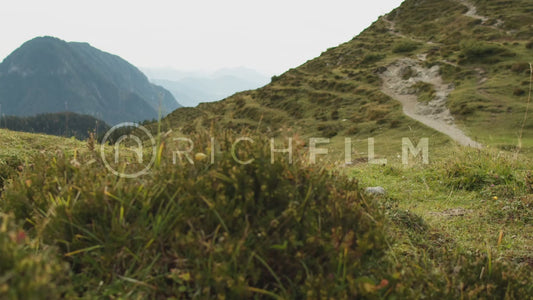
(376,190)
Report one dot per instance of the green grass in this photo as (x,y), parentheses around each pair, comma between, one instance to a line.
(425,91)
(491,111)
(459,227)
(269,230)
(22,144)
(16,148)
(490,188)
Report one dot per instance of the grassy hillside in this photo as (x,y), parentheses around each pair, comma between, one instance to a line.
(285,231)
(23,145)
(456,227)
(17,149)
(339,93)
(65,124)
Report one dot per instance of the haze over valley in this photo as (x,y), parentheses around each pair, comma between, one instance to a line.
(191,88)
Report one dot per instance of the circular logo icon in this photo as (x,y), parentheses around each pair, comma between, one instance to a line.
(130,161)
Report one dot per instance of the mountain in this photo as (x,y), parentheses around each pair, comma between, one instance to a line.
(47,75)
(192,88)
(442,68)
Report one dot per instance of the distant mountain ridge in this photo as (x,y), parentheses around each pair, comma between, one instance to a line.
(48,75)
(192,88)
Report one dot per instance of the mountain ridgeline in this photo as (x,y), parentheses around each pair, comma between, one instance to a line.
(49,75)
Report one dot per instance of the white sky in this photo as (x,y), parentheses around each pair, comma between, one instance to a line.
(269,36)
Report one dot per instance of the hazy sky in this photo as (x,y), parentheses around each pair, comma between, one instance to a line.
(269,36)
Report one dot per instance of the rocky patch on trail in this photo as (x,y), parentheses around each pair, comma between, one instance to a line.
(436,108)
(399,79)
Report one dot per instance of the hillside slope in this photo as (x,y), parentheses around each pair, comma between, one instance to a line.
(47,75)
(479,50)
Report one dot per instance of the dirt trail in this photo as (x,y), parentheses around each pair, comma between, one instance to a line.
(434,114)
(472,11)
(396,32)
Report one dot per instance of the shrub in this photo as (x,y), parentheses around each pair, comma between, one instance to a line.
(518,91)
(405,46)
(484,171)
(520,67)
(224,229)
(477,51)
(377,113)
(335,115)
(26,273)
(353,130)
(372,58)
(8,168)
(395,124)
(328,130)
